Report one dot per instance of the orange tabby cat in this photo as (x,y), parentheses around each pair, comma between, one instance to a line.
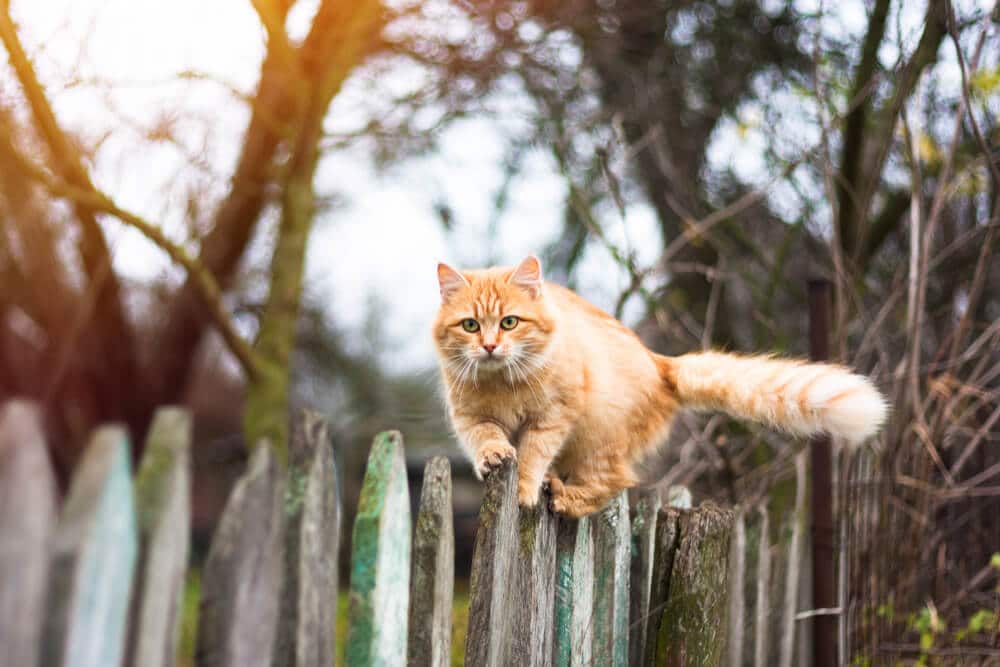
(532,370)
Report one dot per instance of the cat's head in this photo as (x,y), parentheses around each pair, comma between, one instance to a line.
(493,321)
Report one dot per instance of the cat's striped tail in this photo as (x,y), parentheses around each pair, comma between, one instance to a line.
(795,396)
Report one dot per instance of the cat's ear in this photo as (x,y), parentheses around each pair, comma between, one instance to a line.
(449,280)
(528,276)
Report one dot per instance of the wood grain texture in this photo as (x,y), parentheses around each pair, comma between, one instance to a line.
(305,635)
(612,551)
(667,541)
(432,574)
(737,592)
(241,580)
(692,630)
(491,602)
(163,506)
(93,558)
(380,560)
(641,570)
(574,595)
(27,519)
(534,582)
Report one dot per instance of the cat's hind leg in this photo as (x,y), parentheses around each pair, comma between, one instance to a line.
(580,499)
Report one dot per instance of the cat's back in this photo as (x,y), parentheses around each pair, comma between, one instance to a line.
(612,351)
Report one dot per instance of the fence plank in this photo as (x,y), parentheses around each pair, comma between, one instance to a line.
(432,574)
(641,575)
(27,517)
(93,557)
(163,507)
(793,572)
(693,626)
(491,603)
(534,580)
(612,548)
(737,592)
(241,580)
(305,634)
(380,560)
(574,594)
(763,608)
(667,541)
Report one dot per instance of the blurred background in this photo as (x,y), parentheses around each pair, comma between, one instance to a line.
(238,206)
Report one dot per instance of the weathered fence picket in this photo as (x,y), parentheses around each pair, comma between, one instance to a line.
(737,592)
(534,583)
(163,509)
(574,595)
(27,518)
(612,549)
(641,573)
(312,541)
(432,572)
(491,595)
(93,556)
(667,539)
(380,560)
(241,580)
(692,627)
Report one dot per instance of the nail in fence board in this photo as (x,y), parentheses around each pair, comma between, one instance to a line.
(641,574)
(380,560)
(93,558)
(692,630)
(534,584)
(27,517)
(163,508)
(432,574)
(312,540)
(574,597)
(612,548)
(491,603)
(241,580)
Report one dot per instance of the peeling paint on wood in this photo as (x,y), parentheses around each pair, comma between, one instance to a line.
(641,574)
(380,560)
(612,548)
(93,556)
(574,596)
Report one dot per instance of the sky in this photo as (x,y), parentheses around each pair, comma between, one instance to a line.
(382,241)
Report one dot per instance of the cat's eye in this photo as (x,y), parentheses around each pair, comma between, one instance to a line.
(509,322)
(470,325)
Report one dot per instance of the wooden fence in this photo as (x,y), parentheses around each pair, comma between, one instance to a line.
(99,580)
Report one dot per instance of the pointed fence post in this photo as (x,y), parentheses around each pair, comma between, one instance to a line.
(163,507)
(93,558)
(27,518)
(574,597)
(491,599)
(380,560)
(241,580)
(432,574)
(612,548)
(312,541)
(641,574)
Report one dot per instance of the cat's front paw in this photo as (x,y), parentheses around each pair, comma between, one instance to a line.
(560,502)
(527,493)
(491,456)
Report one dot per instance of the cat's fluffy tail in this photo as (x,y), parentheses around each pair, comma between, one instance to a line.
(794,396)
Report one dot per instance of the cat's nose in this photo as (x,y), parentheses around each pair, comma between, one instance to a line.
(489,347)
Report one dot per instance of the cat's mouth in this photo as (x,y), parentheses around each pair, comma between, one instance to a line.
(492,362)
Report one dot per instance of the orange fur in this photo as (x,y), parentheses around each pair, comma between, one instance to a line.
(577,397)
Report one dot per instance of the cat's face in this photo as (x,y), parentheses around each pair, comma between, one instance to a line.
(493,321)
